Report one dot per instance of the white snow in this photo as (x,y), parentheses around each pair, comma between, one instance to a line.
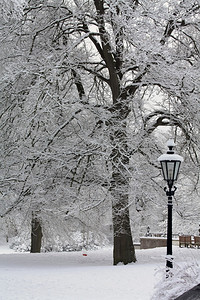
(170,157)
(73,276)
(170,143)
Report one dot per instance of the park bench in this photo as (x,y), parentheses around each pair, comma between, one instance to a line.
(185,240)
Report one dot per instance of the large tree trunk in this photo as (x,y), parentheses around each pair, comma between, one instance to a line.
(123,244)
(123,251)
(36,234)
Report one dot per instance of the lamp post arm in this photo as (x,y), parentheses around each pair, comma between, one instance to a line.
(169,192)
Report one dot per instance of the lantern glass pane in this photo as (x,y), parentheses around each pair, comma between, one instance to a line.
(176,169)
(170,170)
(164,169)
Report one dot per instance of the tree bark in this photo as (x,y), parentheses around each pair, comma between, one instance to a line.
(36,234)
(123,250)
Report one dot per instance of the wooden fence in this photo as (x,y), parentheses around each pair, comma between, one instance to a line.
(189,241)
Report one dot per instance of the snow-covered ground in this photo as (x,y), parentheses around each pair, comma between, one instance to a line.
(74,276)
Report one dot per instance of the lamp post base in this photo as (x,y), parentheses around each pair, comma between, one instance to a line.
(169,264)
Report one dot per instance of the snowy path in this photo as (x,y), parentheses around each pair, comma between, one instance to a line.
(72,276)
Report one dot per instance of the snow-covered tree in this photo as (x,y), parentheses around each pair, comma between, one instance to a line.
(82,106)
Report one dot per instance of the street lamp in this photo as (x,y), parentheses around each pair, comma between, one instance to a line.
(170,164)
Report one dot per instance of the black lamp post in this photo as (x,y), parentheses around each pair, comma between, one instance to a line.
(170,164)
